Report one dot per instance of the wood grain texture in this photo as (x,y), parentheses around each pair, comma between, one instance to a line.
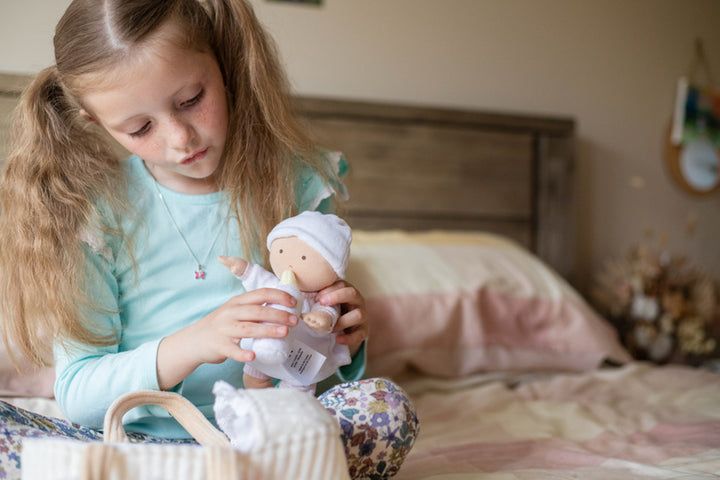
(418,168)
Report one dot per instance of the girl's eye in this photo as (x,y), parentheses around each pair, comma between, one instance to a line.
(193,100)
(142,131)
(280,251)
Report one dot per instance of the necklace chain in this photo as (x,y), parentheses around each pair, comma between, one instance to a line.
(200,273)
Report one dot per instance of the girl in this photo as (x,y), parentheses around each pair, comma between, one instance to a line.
(116,260)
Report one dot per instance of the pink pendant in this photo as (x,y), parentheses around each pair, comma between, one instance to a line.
(200,275)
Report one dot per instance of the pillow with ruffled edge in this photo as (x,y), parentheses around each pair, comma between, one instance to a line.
(454,303)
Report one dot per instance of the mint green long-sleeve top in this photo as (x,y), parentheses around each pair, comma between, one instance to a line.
(155,293)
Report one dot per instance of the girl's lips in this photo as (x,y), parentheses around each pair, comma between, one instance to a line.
(194,157)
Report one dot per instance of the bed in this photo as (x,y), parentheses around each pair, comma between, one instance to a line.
(464,247)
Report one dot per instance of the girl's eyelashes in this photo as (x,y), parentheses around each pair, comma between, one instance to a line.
(193,100)
(187,103)
(142,131)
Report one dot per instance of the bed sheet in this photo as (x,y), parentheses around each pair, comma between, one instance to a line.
(637,421)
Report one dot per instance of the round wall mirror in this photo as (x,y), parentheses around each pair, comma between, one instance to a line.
(699,165)
(695,166)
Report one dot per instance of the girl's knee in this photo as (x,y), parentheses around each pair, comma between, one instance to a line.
(379,425)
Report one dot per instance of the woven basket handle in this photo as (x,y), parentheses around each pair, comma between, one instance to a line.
(178,406)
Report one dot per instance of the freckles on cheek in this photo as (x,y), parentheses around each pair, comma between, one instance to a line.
(214,115)
(213,118)
(148,151)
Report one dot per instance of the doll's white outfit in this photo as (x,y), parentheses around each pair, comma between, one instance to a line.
(335,354)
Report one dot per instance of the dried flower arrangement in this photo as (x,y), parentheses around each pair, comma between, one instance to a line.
(664,310)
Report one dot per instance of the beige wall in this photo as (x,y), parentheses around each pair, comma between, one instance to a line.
(611,64)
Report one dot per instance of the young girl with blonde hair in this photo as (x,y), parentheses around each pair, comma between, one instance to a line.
(116,260)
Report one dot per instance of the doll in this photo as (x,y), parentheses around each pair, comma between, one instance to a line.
(308,252)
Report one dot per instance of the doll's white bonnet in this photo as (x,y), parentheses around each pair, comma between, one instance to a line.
(328,234)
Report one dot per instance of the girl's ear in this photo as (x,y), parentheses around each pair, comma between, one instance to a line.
(84,114)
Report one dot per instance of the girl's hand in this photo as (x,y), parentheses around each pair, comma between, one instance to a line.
(352,323)
(216,337)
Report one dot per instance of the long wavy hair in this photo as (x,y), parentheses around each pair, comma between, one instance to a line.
(61,168)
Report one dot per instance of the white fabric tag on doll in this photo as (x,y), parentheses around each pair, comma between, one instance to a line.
(303,362)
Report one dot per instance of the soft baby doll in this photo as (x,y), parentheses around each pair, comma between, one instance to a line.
(308,252)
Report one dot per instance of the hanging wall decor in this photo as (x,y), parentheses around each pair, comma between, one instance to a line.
(693,144)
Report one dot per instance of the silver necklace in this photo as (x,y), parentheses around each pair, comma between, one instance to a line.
(200,272)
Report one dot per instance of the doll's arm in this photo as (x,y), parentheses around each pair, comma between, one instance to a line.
(253,276)
(236,265)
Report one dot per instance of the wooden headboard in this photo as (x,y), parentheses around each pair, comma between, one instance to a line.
(420,168)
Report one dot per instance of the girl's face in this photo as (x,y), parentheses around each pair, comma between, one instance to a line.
(167,105)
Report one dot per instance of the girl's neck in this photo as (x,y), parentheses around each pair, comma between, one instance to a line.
(183,184)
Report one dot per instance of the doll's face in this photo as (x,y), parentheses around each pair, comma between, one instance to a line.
(311,270)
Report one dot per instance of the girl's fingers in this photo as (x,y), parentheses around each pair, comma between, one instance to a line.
(353,337)
(335,286)
(244,329)
(265,295)
(260,313)
(342,294)
(352,327)
(238,354)
(352,318)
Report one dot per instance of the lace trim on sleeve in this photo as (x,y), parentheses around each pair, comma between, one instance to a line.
(335,159)
(96,241)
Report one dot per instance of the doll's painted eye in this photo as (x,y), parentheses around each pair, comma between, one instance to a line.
(280,251)
(303,257)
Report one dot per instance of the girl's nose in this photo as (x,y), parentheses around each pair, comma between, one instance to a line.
(181,133)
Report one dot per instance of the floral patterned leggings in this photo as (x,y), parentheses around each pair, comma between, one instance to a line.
(378,422)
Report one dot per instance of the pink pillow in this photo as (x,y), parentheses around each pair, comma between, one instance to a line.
(451,304)
(32,381)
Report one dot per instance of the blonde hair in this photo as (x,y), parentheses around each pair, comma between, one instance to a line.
(59,169)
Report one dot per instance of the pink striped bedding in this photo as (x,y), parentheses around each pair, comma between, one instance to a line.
(456,303)
(636,422)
